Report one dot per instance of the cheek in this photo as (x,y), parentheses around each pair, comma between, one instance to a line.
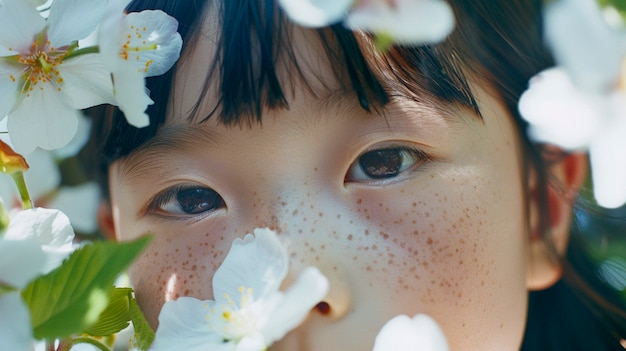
(177,265)
(458,255)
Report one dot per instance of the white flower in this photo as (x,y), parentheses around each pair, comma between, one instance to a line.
(249,312)
(79,203)
(135,46)
(41,86)
(584,44)
(405,21)
(401,333)
(316,13)
(15,329)
(579,105)
(36,242)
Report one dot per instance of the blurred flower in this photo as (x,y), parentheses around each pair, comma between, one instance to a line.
(249,312)
(78,202)
(402,21)
(15,329)
(316,13)
(36,242)
(401,333)
(135,46)
(580,105)
(42,84)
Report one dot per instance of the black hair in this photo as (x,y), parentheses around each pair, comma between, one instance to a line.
(499,42)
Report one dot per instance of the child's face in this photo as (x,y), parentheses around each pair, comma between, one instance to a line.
(395,231)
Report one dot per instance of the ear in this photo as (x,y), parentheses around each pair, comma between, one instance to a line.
(566,176)
(105,220)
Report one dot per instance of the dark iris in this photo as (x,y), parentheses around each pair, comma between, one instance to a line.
(198,200)
(384,163)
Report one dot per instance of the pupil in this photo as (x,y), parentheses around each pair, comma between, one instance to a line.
(384,163)
(198,200)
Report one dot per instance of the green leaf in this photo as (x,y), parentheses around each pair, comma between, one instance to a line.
(116,316)
(144,335)
(69,299)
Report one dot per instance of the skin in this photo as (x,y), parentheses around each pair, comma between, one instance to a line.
(447,236)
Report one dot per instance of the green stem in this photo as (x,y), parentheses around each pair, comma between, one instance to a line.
(18,177)
(83,51)
(90,341)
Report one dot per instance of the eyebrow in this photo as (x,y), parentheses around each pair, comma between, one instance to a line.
(148,158)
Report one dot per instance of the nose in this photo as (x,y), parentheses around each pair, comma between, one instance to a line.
(309,224)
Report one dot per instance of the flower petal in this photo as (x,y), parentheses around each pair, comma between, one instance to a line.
(131,95)
(306,292)
(80,204)
(9,87)
(43,176)
(552,102)
(25,254)
(15,329)
(48,228)
(259,262)
(79,140)
(583,43)
(406,21)
(86,82)
(44,120)
(315,13)
(183,326)
(71,20)
(20,23)
(402,333)
(607,155)
(152,29)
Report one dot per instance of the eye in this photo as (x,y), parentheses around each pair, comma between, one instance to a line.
(185,200)
(384,163)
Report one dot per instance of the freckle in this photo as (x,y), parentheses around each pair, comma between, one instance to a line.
(359,201)
(415,232)
(367,232)
(368,268)
(350,237)
(194,267)
(415,204)
(187,292)
(374,247)
(321,214)
(427,214)
(429,241)
(338,216)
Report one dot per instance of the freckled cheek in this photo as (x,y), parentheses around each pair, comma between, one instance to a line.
(175,266)
(428,242)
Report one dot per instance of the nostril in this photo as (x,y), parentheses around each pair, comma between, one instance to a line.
(323,308)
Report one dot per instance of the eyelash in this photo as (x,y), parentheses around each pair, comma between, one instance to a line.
(418,155)
(161,199)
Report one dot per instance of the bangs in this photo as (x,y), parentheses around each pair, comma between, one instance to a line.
(254,38)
